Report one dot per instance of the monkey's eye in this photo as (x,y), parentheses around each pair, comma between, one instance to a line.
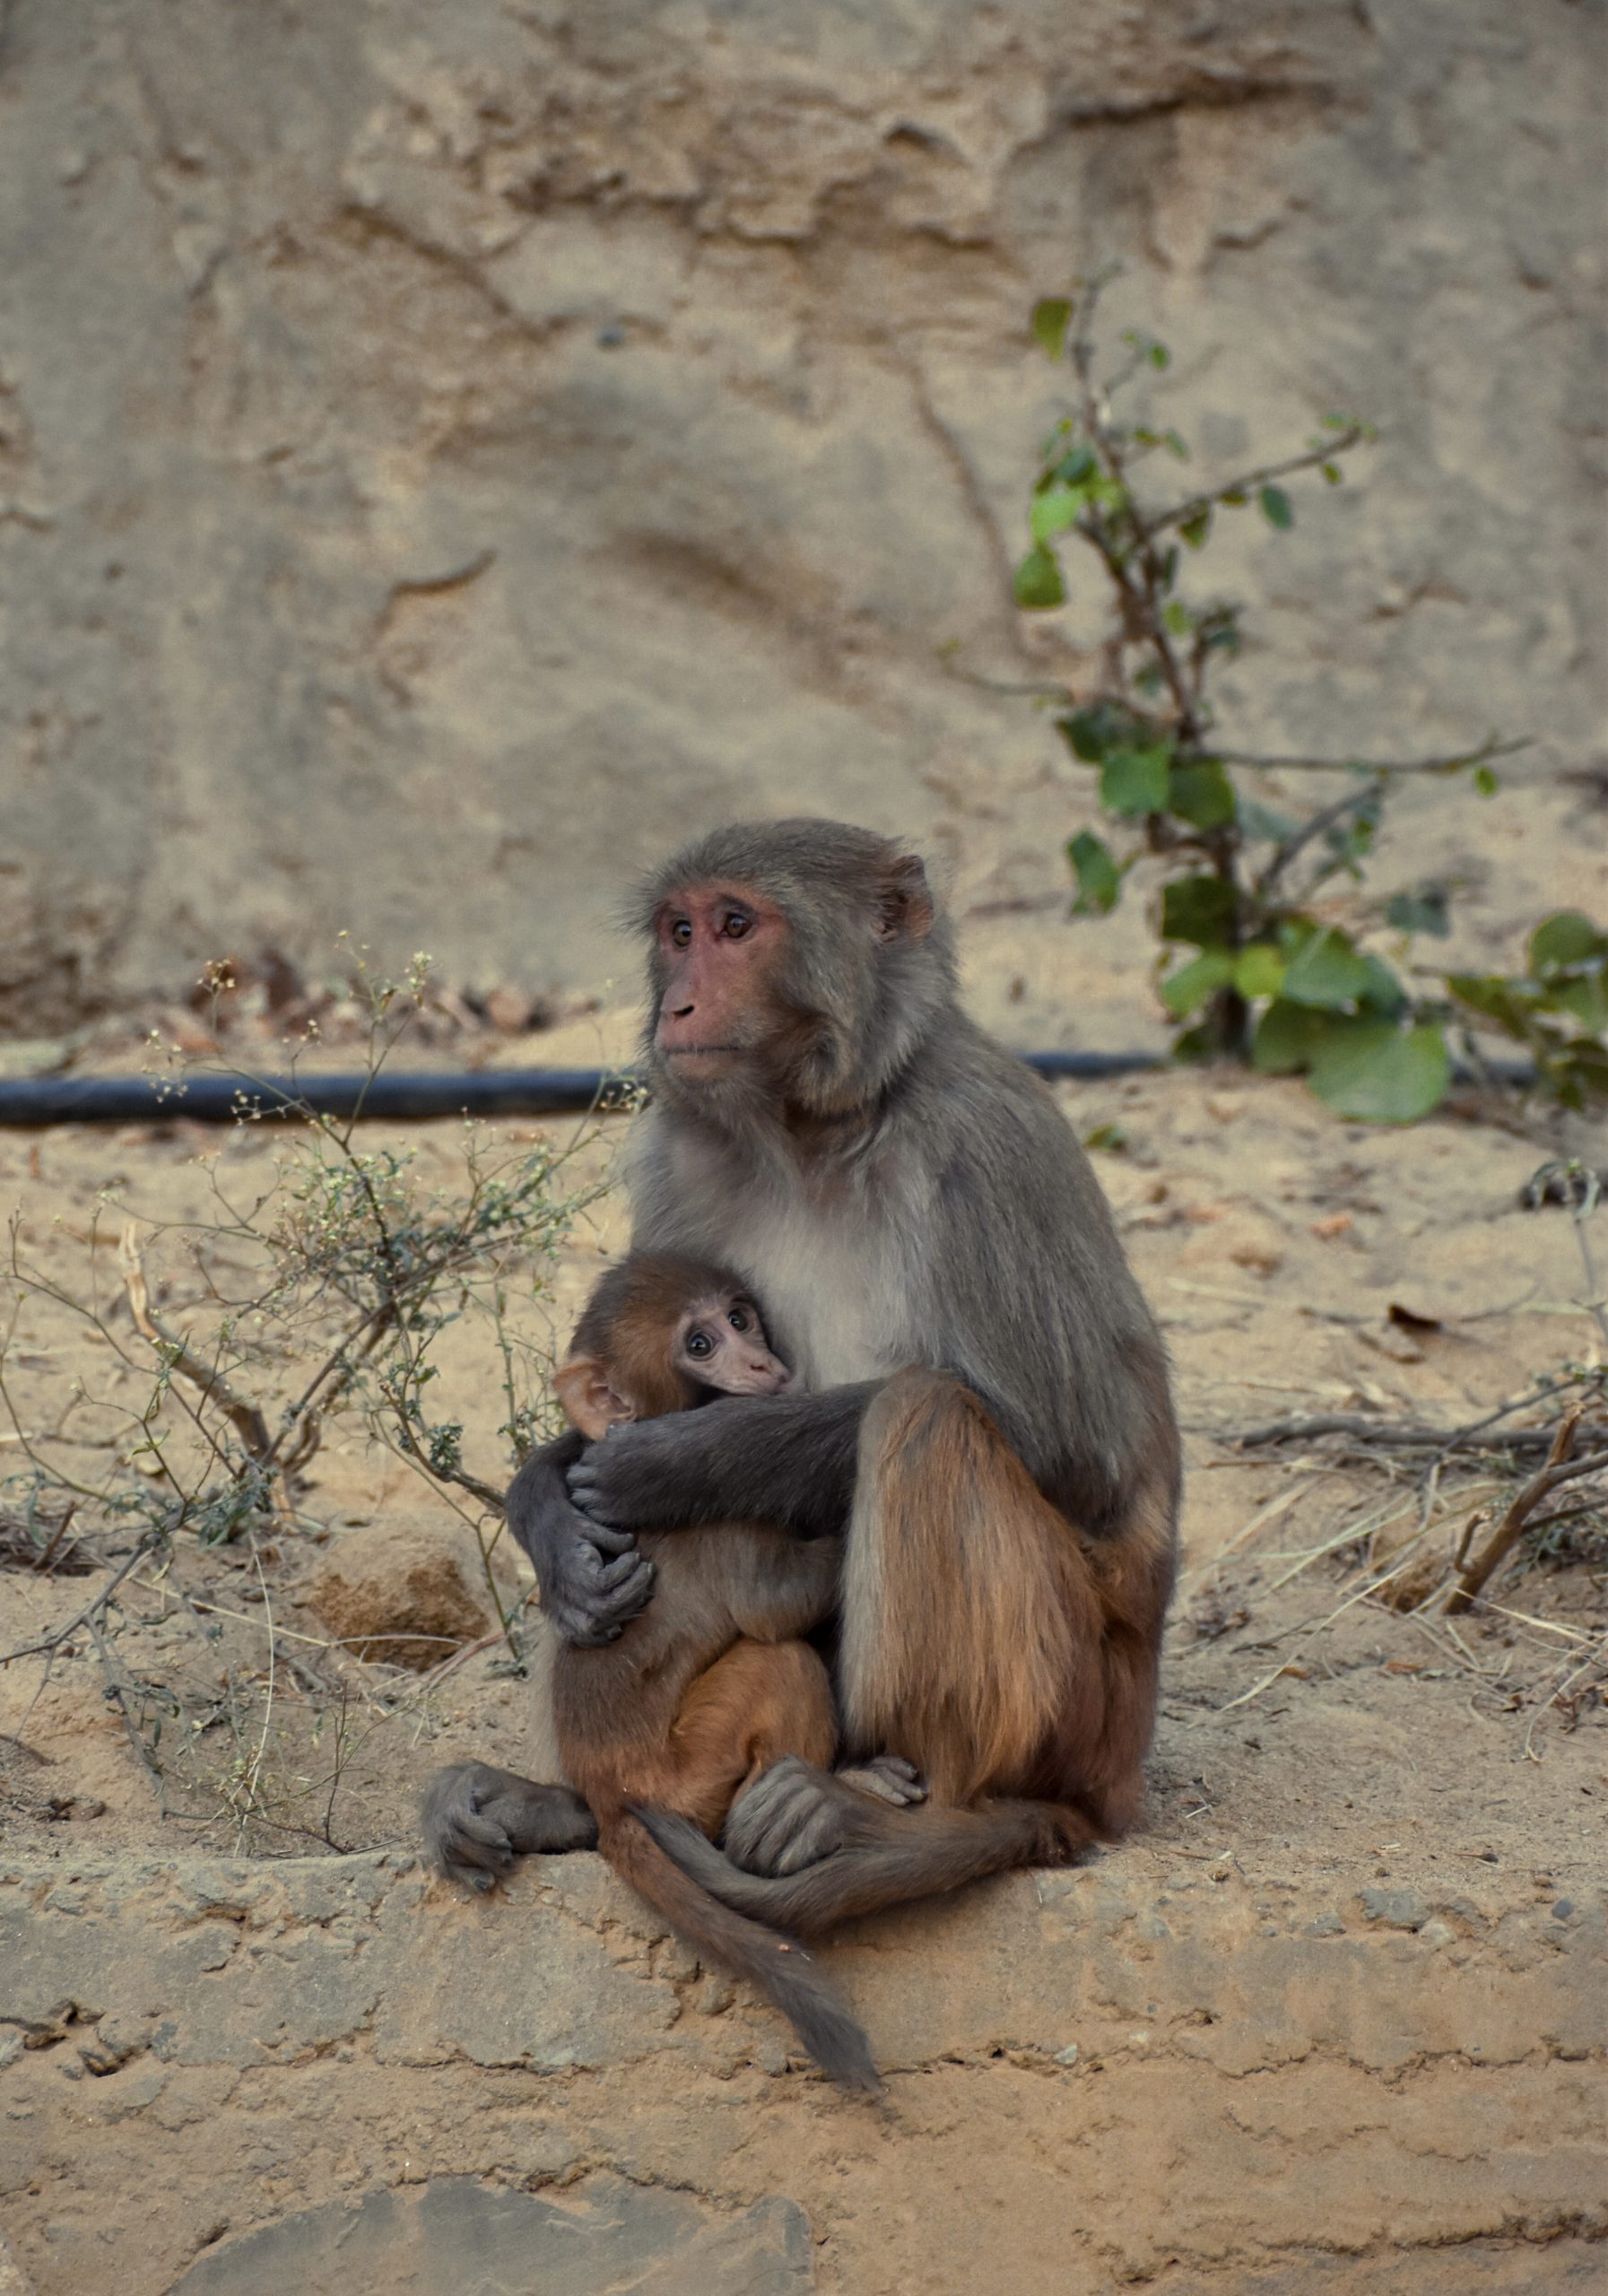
(699,1345)
(738,1318)
(681,933)
(736,925)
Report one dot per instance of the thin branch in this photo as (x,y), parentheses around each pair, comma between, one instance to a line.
(1181,513)
(245,1418)
(118,1693)
(1488,749)
(1562,1467)
(1299,839)
(60,1634)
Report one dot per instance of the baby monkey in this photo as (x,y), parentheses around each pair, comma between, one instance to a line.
(712,1683)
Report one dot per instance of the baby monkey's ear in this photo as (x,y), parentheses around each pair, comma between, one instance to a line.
(590,1405)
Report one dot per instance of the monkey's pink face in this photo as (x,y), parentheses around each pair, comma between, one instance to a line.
(717,949)
(721,1344)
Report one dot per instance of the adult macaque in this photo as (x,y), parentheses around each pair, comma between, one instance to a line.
(980,1398)
(710,1685)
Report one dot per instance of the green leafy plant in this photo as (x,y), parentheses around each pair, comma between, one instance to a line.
(1556,1009)
(1260,958)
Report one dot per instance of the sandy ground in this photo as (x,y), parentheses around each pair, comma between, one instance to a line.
(1274,1242)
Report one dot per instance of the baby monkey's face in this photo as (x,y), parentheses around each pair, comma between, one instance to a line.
(720,1341)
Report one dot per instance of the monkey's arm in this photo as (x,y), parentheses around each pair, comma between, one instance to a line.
(788,1460)
(591,1575)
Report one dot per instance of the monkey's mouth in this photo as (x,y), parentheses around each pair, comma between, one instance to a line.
(702,1051)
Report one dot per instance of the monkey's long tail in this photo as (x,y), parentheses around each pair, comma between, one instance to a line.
(910,1854)
(784,1974)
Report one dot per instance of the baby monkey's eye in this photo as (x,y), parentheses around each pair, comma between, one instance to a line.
(738,1318)
(699,1343)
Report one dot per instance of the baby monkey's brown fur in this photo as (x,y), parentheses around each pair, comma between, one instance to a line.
(711,1685)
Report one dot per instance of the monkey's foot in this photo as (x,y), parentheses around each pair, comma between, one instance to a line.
(477,1820)
(795,1815)
(890,1776)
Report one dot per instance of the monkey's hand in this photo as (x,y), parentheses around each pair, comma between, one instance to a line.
(793,1815)
(785,1459)
(593,1579)
(621,1485)
(477,1820)
(594,1583)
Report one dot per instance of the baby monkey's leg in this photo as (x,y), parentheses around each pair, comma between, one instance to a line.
(759,1701)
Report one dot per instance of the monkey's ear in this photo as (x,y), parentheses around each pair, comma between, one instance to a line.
(590,1405)
(906,903)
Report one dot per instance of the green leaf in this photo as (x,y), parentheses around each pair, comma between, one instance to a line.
(1485,781)
(1050,319)
(1494,999)
(1585,999)
(1099,880)
(1375,1071)
(1421,911)
(1195,530)
(1038,584)
(1565,939)
(1201,910)
(1111,1137)
(1177,617)
(1160,356)
(1384,993)
(1259,970)
(1074,468)
(1135,781)
(1286,1038)
(1275,508)
(1183,990)
(1093,733)
(1058,506)
(1327,971)
(1234,496)
(1580,1073)
(1333,472)
(1201,793)
(1262,824)
(1174,445)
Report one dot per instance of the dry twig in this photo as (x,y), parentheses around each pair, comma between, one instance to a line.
(1562,1467)
(1410,1434)
(243,1415)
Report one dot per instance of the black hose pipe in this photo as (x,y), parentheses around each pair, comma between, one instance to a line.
(213,1098)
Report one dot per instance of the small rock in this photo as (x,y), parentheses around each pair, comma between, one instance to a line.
(1326,1925)
(1068,2056)
(1394,1909)
(510,1009)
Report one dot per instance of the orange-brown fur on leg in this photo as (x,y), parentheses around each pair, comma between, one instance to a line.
(1029,1709)
(1043,1679)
